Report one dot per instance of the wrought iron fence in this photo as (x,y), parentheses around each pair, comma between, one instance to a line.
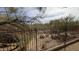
(14,38)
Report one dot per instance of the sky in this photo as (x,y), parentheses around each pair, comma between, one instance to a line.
(53,13)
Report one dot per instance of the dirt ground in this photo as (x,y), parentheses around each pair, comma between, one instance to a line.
(72,47)
(42,43)
(47,42)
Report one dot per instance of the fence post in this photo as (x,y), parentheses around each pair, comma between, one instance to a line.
(36,39)
(65,39)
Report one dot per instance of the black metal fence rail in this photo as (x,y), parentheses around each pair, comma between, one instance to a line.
(16,40)
(26,41)
(19,40)
(29,40)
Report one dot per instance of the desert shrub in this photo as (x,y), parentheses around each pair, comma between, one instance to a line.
(8,38)
(42,36)
(47,35)
(55,36)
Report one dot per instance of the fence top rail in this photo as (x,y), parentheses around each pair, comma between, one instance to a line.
(7,30)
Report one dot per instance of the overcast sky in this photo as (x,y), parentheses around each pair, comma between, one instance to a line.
(53,12)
